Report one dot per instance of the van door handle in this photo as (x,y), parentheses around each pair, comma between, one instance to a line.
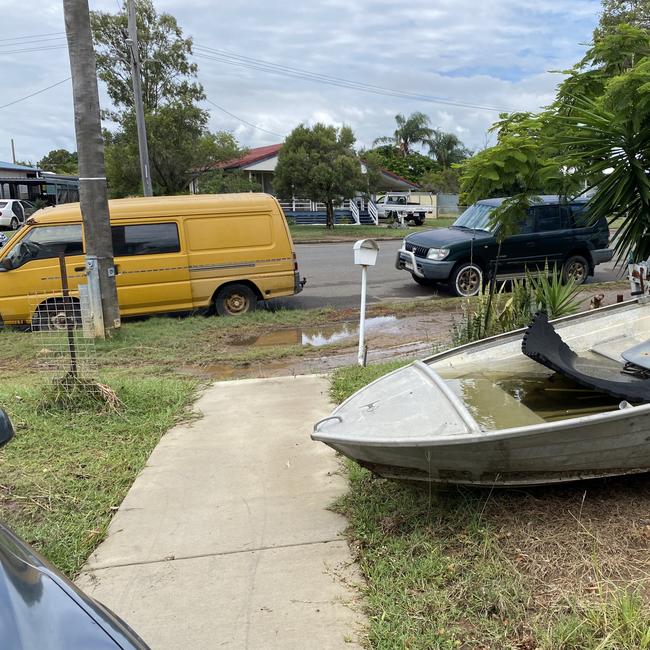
(79,269)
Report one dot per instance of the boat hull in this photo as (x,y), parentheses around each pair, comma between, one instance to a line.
(587,450)
(411,425)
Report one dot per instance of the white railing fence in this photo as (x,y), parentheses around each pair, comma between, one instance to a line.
(354,210)
(372,211)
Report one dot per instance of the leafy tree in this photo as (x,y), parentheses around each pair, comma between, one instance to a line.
(221,182)
(320,163)
(447,149)
(608,137)
(179,145)
(445,181)
(167,74)
(618,12)
(60,161)
(410,131)
(177,134)
(413,166)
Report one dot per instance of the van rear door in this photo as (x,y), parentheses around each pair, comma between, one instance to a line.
(152,272)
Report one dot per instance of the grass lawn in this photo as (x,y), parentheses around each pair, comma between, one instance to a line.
(301,234)
(561,568)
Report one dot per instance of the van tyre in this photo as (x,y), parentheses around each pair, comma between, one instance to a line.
(234,300)
(466,279)
(575,269)
(53,316)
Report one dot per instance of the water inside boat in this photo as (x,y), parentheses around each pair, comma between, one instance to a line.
(501,397)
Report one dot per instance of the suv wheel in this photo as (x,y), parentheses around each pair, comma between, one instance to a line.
(466,279)
(576,268)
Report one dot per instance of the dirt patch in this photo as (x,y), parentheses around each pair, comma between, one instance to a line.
(576,540)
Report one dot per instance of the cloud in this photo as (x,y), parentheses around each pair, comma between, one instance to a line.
(494,53)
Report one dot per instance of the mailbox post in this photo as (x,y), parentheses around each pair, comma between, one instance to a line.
(365,255)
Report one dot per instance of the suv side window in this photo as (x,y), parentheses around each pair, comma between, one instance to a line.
(547,218)
(45,242)
(579,215)
(145,239)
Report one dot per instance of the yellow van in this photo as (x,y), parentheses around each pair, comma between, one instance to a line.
(223,252)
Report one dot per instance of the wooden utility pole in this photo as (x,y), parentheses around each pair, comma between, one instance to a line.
(145,170)
(90,147)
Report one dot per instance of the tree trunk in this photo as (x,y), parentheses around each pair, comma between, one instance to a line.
(90,145)
(329,207)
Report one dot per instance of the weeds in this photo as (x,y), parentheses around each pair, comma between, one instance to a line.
(491,314)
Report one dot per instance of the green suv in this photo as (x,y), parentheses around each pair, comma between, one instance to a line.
(553,232)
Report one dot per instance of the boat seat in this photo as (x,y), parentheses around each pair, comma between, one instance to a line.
(615,347)
(638,355)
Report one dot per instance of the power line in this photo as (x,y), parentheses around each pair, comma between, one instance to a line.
(29,41)
(38,92)
(237,60)
(259,128)
(19,38)
(34,49)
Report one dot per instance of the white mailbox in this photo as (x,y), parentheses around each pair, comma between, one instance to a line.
(365,252)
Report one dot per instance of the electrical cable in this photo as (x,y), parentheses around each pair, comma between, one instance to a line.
(38,92)
(35,49)
(31,41)
(259,128)
(20,38)
(257,64)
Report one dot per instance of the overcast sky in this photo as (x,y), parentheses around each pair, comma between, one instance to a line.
(488,53)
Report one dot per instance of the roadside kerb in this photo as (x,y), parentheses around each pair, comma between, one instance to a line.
(225,539)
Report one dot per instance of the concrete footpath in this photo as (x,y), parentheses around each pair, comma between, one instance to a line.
(225,539)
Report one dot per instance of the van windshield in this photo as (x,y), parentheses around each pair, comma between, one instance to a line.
(44,242)
(476,217)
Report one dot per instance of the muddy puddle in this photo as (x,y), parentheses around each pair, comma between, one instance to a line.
(318,336)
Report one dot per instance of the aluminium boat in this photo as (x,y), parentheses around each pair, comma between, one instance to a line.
(573,404)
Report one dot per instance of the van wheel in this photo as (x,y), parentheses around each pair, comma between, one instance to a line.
(575,269)
(234,300)
(52,315)
(466,279)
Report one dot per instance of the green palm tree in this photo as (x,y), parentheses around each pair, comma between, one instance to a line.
(410,131)
(608,141)
(447,149)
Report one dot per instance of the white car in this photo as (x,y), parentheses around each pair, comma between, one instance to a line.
(13,213)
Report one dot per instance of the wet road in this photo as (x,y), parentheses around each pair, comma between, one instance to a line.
(333,279)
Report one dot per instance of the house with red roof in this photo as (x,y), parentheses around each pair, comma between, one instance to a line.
(260,163)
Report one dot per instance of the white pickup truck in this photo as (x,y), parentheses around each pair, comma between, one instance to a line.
(406,206)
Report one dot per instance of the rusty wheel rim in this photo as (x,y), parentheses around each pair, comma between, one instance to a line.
(469,281)
(236,303)
(576,272)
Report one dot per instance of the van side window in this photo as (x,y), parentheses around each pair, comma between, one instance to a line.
(145,239)
(45,242)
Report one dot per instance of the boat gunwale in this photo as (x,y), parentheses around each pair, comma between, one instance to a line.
(486,436)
